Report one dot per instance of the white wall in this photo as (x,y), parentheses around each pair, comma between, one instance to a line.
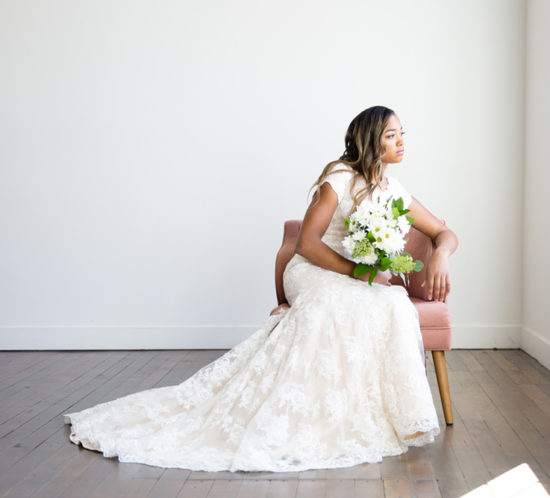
(152,150)
(536,239)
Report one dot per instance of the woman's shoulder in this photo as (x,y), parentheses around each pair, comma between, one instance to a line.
(341,173)
(339,176)
(341,168)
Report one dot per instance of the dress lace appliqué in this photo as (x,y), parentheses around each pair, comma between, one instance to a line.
(339,381)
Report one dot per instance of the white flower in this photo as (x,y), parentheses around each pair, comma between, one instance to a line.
(390,241)
(360,215)
(348,243)
(378,226)
(379,211)
(375,216)
(392,222)
(368,259)
(381,235)
(403,224)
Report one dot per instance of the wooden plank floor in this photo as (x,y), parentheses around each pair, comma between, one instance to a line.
(501,402)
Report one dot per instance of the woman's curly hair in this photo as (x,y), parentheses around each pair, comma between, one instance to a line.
(363,153)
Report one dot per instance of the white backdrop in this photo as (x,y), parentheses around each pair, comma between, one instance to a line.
(151,152)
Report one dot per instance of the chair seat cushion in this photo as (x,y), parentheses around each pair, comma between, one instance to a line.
(435,324)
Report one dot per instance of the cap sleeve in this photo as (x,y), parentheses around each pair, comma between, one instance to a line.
(339,181)
(399,191)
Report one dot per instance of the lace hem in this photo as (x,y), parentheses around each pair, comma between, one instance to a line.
(215,462)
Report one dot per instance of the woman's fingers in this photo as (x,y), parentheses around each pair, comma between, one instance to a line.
(442,288)
(447,286)
(439,287)
(437,283)
(275,310)
(430,280)
(279,308)
(434,287)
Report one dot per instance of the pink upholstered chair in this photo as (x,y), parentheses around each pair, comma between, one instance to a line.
(435,319)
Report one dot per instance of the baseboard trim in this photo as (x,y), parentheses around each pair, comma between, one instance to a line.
(486,336)
(536,346)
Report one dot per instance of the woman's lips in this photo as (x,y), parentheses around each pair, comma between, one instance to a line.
(401,151)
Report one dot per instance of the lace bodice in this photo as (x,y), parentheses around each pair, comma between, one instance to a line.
(341,184)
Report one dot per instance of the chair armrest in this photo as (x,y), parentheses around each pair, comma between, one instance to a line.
(420,246)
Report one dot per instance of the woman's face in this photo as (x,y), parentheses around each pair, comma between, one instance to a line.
(392,138)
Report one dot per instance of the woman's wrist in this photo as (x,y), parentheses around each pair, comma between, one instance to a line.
(443,251)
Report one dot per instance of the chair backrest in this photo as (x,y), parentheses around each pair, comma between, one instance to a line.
(419,245)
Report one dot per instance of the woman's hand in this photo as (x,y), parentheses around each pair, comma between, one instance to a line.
(276,310)
(437,271)
(279,308)
(382,277)
(437,277)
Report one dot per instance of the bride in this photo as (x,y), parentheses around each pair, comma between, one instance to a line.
(333,378)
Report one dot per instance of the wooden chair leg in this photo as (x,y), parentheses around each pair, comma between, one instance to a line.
(443,383)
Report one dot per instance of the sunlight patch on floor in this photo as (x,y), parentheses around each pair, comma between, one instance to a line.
(520,481)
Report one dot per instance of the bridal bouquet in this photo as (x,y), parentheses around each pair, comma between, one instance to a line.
(376,239)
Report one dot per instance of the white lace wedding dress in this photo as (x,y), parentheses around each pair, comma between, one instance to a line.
(339,381)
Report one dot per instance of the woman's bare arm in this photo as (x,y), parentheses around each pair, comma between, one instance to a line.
(315,223)
(437,271)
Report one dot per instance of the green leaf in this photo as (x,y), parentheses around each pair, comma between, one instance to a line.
(346,222)
(361,269)
(410,220)
(385,263)
(373,273)
(399,203)
(371,237)
(395,212)
(418,265)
